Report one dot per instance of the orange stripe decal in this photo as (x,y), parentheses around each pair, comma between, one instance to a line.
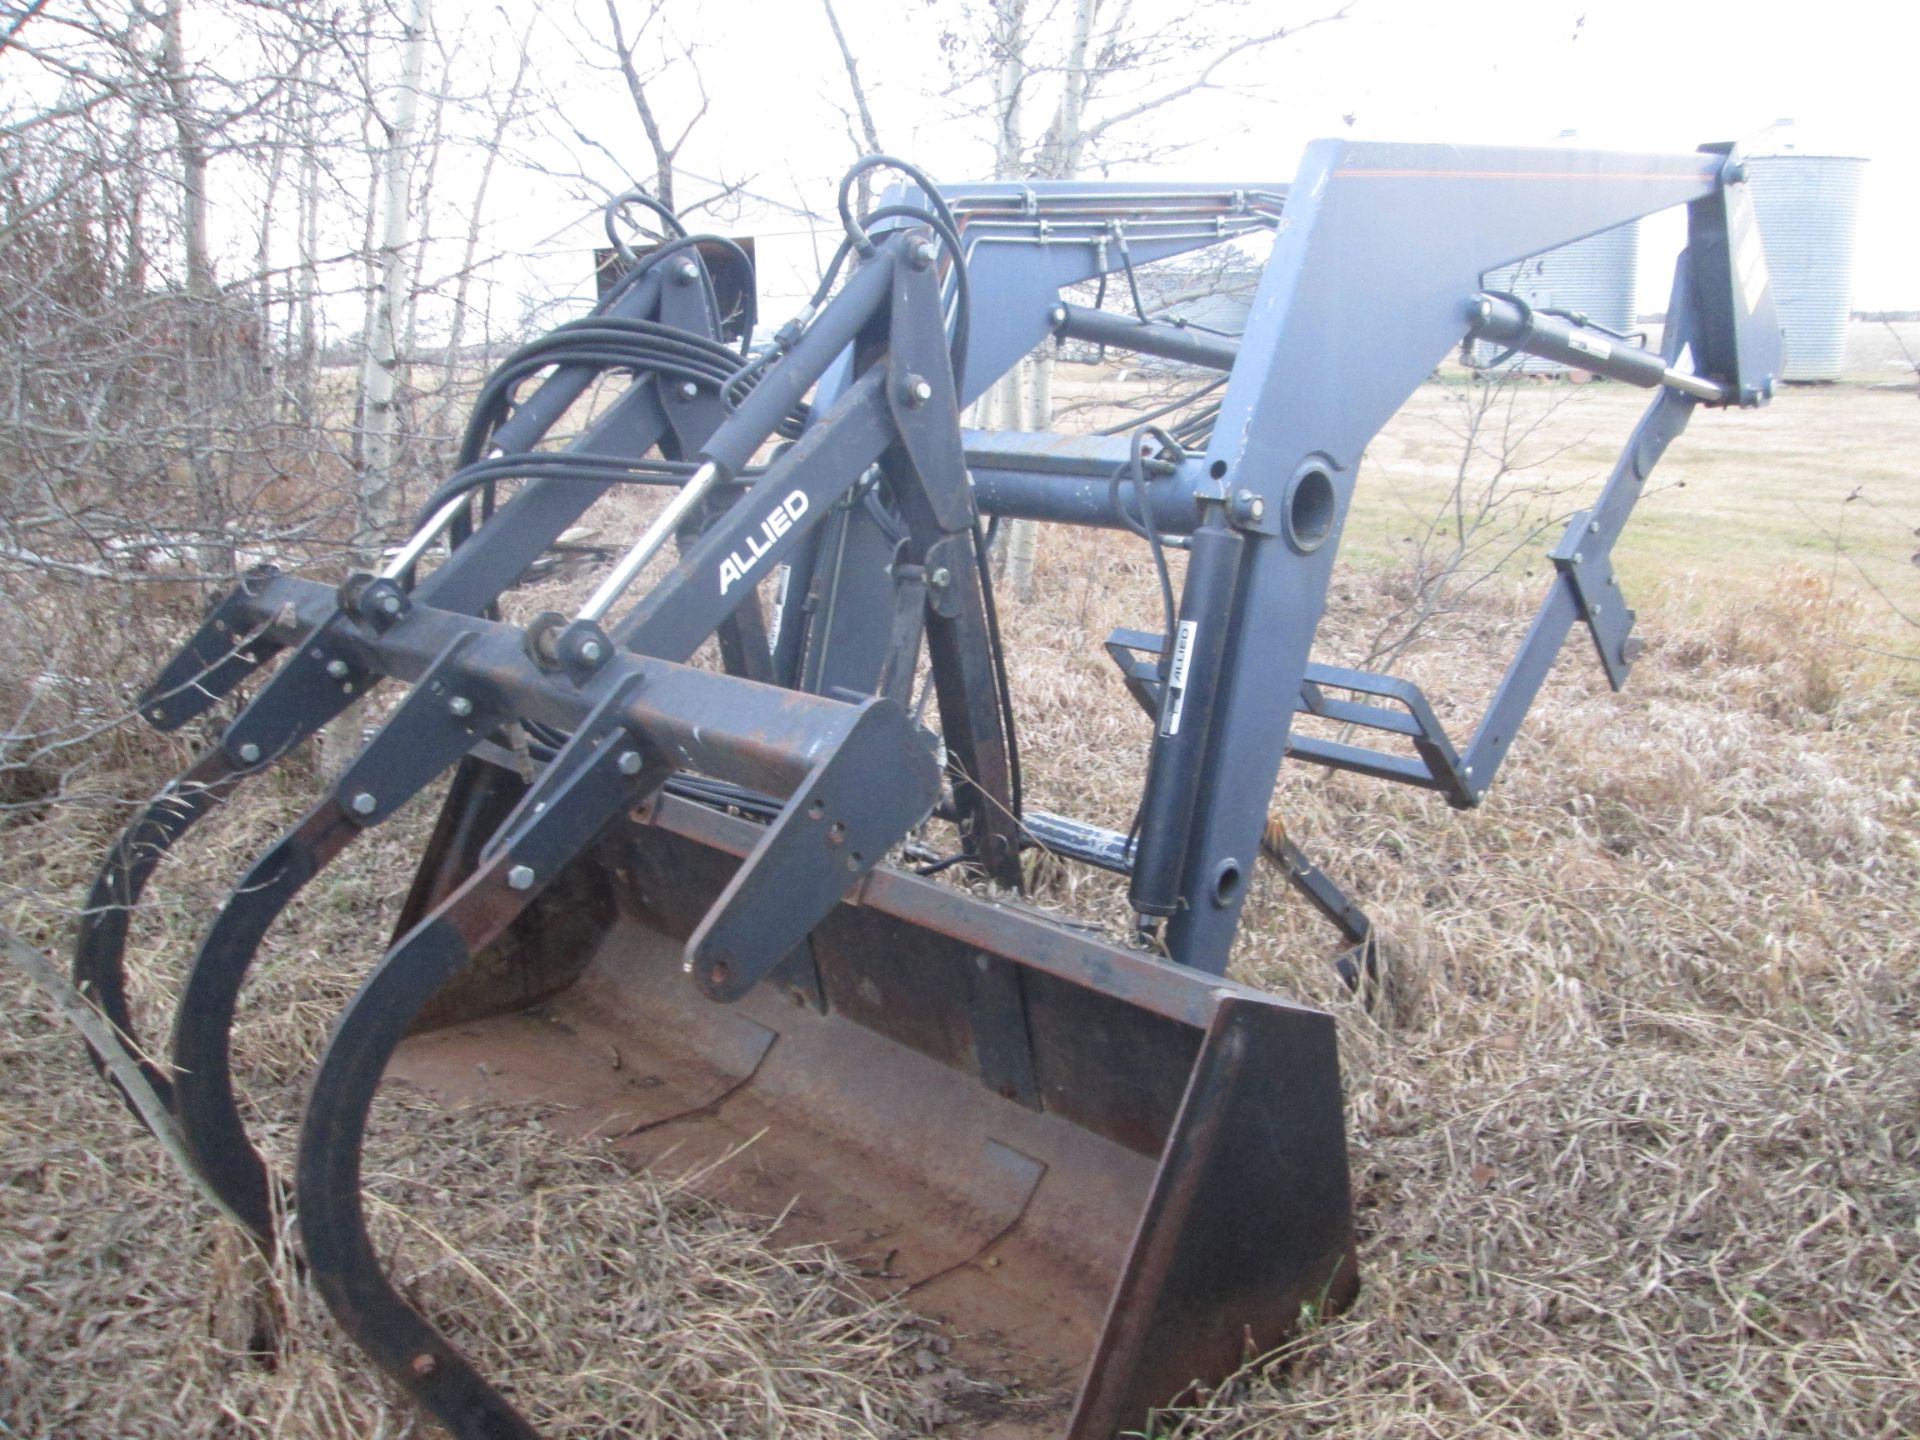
(1515,175)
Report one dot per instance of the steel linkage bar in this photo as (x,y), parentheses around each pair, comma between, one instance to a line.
(317,684)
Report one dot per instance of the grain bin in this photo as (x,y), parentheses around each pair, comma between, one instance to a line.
(1808,207)
(1595,277)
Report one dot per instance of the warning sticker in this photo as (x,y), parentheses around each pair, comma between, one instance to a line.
(781,575)
(1751,258)
(1589,345)
(1177,677)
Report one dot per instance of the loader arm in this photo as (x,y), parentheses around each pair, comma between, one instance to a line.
(1127,1166)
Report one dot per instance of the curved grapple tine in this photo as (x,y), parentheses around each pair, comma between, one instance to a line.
(210,1122)
(421,740)
(100,949)
(333,1231)
(219,656)
(207,667)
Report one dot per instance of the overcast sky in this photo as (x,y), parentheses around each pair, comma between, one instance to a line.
(1628,74)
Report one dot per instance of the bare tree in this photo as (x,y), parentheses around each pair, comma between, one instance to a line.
(380,368)
(868,137)
(665,152)
(1106,73)
(1501,503)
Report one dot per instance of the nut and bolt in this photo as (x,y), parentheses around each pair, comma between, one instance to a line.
(520,877)
(390,604)
(249,752)
(364,803)
(1057,316)
(921,254)
(689,390)
(338,670)
(592,651)
(940,578)
(629,762)
(916,390)
(1249,508)
(461,706)
(685,271)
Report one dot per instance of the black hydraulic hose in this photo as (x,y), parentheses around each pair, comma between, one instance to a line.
(983,562)
(1178,403)
(962,286)
(1147,527)
(855,231)
(636,196)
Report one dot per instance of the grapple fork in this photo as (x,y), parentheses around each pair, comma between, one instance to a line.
(1119,1172)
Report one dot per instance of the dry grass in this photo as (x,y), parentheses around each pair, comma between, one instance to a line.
(1635,1125)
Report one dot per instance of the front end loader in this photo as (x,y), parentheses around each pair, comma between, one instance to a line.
(1129,1167)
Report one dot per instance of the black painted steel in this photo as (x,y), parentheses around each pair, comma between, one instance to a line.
(1205,1116)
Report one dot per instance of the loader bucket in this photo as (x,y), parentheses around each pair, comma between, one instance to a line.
(1112,1176)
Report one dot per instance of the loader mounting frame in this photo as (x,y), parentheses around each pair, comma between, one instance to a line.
(701,860)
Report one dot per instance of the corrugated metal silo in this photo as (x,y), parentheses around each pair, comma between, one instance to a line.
(1808,207)
(1595,277)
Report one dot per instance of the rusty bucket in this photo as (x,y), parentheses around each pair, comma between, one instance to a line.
(1115,1178)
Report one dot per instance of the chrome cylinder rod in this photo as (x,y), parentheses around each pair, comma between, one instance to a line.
(697,488)
(416,546)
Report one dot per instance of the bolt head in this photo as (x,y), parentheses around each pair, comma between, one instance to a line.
(364,803)
(916,390)
(689,390)
(520,877)
(921,254)
(249,752)
(390,604)
(592,651)
(629,762)
(1057,316)
(338,670)
(940,578)
(460,705)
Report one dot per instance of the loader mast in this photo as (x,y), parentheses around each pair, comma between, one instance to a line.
(704,867)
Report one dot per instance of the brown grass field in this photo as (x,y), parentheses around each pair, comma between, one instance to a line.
(1635,1125)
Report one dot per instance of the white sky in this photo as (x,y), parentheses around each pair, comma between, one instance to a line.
(1627,74)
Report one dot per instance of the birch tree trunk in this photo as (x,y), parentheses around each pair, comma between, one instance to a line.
(381,360)
(442,428)
(381,363)
(215,556)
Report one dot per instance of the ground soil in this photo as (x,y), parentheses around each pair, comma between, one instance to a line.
(1634,1116)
